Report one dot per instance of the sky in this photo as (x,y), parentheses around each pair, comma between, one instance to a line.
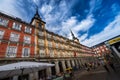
(91,21)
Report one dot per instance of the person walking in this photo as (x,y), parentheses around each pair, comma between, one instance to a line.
(67,75)
(103,62)
(111,64)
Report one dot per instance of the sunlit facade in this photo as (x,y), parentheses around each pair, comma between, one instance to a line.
(33,42)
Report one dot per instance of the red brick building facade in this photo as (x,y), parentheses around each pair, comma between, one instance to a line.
(16,38)
(101,49)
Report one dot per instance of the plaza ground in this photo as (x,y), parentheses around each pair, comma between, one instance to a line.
(98,74)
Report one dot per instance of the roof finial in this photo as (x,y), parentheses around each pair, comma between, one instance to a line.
(73,37)
(37,13)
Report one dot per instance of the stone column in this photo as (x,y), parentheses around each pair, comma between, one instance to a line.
(33,76)
(48,71)
(57,67)
(73,63)
(63,65)
(15,78)
(68,63)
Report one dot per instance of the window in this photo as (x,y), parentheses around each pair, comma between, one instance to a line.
(3,22)
(56,45)
(14,37)
(58,53)
(1,34)
(41,42)
(42,52)
(49,43)
(48,35)
(40,33)
(25,52)
(17,26)
(40,25)
(11,51)
(28,29)
(27,39)
(103,50)
(54,37)
(106,48)
(51,53)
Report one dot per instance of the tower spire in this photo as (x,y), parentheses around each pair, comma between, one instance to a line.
(73,37)
(37,13)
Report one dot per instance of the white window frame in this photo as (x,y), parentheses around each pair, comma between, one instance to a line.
(17,26)
(26,40)
(51,53)
(48,35)
(10,52)
(3,22)
(28,29)
(56,45)
(42,52)
(49,43)
(41,33)
(41,42)
(25,54)
(1,33)
(14,38)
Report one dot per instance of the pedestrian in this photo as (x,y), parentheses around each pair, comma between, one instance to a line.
(67,75)
(103,62)
(71,73)
(111,64)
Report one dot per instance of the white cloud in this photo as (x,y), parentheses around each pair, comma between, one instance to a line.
(67,25)
(111,30)
(7,6)
(85,24)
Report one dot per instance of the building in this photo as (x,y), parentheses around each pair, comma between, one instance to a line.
(32,41)
(16,39)
(114,45)
(101,49)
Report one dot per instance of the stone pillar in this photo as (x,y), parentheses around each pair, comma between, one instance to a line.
(15,78)
(68,63)
(63,65)
(48,71)
(33,76)
(80,62)
(57,67)
(73,63)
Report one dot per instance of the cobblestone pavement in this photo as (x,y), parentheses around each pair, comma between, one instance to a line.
(98,74)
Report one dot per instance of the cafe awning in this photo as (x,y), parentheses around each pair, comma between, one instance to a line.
(19,68)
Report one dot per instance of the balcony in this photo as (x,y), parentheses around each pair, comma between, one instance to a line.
(27,41)
(10,54)
(13,39)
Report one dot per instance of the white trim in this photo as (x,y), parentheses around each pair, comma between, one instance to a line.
(4,22)
(14,38)
(1,36)
(13,54)
(26,41)
(18,27)
(24,53)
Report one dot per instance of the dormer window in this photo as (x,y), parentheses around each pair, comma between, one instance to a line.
(3,22)
(40,25)
(28,29)
(17,26)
